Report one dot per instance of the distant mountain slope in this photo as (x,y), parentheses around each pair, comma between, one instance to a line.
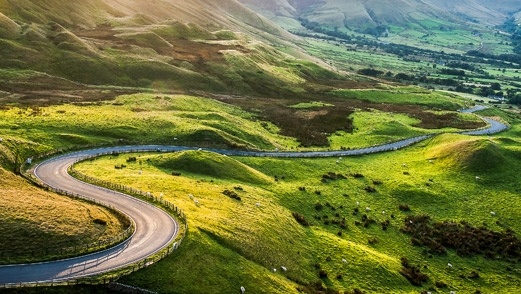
(367,13)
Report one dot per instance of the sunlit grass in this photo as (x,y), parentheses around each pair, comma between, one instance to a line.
(260,234)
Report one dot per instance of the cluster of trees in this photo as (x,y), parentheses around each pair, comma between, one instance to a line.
(512,27)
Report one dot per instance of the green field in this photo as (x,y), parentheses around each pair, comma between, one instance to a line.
(258,233)
(245,240)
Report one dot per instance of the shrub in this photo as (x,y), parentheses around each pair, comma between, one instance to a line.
(474,275)
(100,222)
(131,159)
(465,239)
(318,206)
(370,189)
(440,285)
(322,274)
(232,194)
(412,273)
(300,219)
(404,207)
(357,175)
(176,174)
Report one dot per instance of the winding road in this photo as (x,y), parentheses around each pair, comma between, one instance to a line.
(155,229)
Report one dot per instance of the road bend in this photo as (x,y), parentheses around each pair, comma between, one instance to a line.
(154,230)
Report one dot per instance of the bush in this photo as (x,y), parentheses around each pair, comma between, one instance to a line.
(232,194)
(370,189)
(466,240)
(412,273)
(176,174)
(404,207)
(322,274)
(100,222)
(318,206)
(441,285)
(131,159)
(300,219)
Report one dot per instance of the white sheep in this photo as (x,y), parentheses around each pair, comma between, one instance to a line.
(367,209)
(257,204)
(449,265)
(284,268)
(140,172)
(493,213)
(196,202)
(452,292)
(357,203)
(478,178)
(383,211)
(191,196)
(344,260)
(274,270)
(243,289)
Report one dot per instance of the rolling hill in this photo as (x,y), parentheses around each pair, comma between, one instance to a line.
(361,14)
(166,44)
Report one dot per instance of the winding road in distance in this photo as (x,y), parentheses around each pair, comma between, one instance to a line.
(155,229)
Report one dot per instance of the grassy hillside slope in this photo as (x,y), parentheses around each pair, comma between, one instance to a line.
(37,225)
(339,245)
(164,44)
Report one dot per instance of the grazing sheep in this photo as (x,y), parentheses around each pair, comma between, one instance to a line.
(478,178)
(383,211)
(243,289)
(274,270)
(257,204)
(196,202)
(492,213)
(357,203)
(344,260)
(284,268)
(404,165)
(449,265)
(191,196)
(338,161)
(140,172)
(367,209)
(452,292)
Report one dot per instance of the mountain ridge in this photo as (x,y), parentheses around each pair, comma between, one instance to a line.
(367,13)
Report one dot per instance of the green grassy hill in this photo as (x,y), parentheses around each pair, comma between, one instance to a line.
(338,245)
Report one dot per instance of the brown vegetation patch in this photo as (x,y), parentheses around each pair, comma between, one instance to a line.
(312,127)
(461,237)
